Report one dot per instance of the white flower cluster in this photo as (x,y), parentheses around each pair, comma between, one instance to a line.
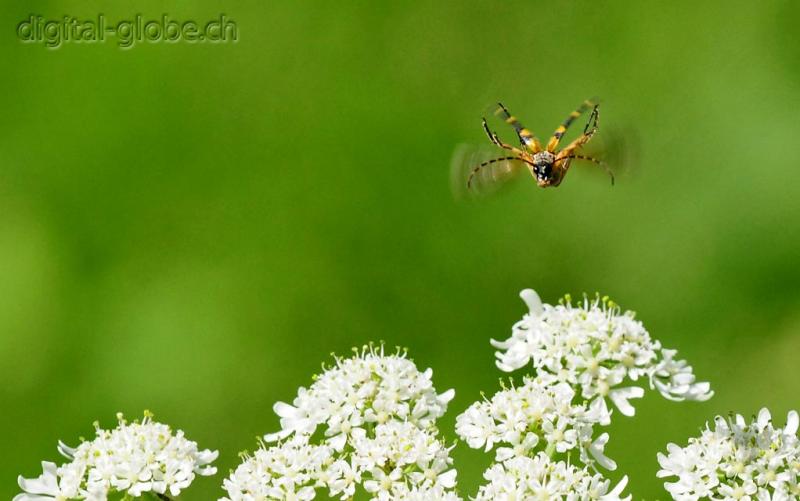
(581,356)
(369,388)
(596,348)
(368,421)
(133,458)
(539,477)
(540,415)
(737,460)
(286,471)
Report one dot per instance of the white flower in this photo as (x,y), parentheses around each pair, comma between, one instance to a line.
(48,485)
(285,471)
(435,493)
(539,477)
(598,349)
(133,458)
(369,421)
(368,388)
(736,460)
(594,451)
(541,415)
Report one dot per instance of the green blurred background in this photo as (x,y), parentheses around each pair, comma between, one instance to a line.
(193,228)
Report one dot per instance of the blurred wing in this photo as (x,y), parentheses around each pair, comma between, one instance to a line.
(616,148)
(486,181)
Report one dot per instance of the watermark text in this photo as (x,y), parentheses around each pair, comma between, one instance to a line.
(53,33)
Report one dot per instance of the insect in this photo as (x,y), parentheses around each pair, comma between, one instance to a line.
(549,164)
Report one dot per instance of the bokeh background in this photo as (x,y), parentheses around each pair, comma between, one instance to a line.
(193,228)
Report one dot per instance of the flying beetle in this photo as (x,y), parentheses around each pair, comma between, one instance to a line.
(547,164)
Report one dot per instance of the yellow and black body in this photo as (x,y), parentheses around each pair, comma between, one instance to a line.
(548,165)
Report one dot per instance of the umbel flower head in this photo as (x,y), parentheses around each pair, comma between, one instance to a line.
(368,421)
(598,350)
(538,416)
(285,471)
(132,459)
(581,355)
(367,389)
(736,459)
(539,477)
